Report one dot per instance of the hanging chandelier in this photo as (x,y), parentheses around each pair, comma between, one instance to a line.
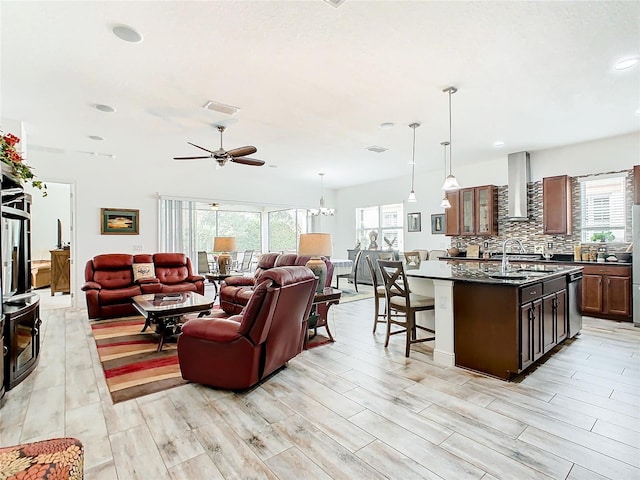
(412,194)
(445,201)
(450,183)
(322,210)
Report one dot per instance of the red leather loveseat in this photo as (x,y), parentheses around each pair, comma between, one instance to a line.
(235,292)
(239,351)
(112,279)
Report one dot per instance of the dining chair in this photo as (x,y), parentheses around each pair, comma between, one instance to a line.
(353,274)
(203,262)
(402,305)
(378,294)
(245,266)
(412,259)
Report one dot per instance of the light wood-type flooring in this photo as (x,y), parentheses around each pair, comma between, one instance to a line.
(349,410)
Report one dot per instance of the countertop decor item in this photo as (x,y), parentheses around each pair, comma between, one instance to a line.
(10,156)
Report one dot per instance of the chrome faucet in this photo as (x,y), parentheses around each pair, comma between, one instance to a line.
(505,261)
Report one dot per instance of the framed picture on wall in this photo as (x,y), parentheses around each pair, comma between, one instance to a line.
(414,222)
(437,223)
(119,221)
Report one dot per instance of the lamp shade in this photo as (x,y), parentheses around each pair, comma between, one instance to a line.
(224,244)
(315,244)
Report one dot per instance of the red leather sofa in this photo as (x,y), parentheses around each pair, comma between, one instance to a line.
(239,351)
(110,283)
(235,292)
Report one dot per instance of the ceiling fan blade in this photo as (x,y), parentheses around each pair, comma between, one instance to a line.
(248,161)
(201,148)
(242,151)
(190,158)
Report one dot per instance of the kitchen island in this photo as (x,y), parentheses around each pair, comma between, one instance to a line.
(494,323)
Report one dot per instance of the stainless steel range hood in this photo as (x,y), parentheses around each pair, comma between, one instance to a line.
(518,165)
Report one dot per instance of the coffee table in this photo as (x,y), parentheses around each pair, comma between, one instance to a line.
(166,310)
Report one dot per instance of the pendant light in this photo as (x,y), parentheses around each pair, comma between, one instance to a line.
(450,183)
(412,194)
(322,210)
(445,201)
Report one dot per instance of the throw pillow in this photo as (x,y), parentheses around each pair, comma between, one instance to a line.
(143,270)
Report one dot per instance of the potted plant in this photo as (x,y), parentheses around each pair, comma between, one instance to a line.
(603,237)
(21,171)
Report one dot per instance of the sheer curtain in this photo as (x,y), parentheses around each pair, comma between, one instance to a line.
(177,227)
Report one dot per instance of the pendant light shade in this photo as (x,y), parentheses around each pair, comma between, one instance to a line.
(445,201)
(412,194)
(450,182)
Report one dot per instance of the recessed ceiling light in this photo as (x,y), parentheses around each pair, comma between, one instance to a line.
(128,34)
(95,137)
(387,125)
(221,107)
(105,108)
(627,63)
(498,143)
(377,149)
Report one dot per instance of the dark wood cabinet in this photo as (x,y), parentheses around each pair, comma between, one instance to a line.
(556,205)
(530,333)
(452,214)
(606,291)
(60,271)
(478,211)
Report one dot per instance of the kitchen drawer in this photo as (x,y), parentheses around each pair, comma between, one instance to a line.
(619,271)
(553,286)
(530,293)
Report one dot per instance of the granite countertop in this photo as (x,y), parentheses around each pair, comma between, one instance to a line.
(489,272)
(552,261)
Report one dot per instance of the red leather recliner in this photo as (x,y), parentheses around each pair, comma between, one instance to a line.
(239,351)
(236,291)
(109,283)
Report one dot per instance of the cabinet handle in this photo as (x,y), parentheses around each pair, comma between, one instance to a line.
(5,350)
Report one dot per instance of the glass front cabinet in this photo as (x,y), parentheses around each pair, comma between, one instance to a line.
(479,210)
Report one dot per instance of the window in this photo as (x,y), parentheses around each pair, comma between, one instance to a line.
(382,225)
(602,201)
(285,226)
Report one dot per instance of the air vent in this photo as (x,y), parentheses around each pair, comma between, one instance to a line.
(221,107)
(335,3)
(377,149)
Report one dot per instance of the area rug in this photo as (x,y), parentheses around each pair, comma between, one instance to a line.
(350,295)
(131,365)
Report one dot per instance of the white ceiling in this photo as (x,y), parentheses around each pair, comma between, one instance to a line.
(314,82)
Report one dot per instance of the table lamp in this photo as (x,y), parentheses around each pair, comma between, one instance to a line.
(224,245)
(316,245)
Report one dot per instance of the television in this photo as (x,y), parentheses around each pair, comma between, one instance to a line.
(59,244)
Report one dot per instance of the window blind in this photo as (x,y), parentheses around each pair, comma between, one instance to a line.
(602,201)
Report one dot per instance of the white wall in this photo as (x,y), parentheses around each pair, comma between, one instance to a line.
(45,212)
(127,182)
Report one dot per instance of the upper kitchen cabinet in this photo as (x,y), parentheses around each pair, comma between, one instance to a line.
(452,214)
(556,205)
(479,210)
(486,199)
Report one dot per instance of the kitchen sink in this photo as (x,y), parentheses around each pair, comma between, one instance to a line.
(508,276)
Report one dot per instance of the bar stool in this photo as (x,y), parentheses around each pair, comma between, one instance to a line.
(379,294)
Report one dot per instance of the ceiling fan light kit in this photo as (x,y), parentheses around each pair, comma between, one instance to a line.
(412,194)
(222,156)
(450,182)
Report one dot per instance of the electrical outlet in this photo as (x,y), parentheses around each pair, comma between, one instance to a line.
(549,245)
(485,245)
(137,248)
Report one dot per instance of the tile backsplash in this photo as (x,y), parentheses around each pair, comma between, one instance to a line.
(530,232)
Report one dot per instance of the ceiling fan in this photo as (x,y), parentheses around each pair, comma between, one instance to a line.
(222,156)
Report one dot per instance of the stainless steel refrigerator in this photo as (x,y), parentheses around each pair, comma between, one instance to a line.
(636,265)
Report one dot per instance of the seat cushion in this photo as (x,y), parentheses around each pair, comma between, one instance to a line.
(416,300)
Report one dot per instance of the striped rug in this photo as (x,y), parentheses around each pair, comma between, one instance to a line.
(131,365)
